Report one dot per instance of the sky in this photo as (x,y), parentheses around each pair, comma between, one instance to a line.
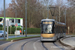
(7,3)
(54,2)
(2,3)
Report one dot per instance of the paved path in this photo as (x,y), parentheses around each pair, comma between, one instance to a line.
(69,41)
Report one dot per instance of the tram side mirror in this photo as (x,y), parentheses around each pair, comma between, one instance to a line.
(40,24)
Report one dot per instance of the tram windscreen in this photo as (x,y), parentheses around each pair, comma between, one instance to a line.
(47,27)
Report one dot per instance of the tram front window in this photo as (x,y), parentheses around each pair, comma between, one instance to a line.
(47,28)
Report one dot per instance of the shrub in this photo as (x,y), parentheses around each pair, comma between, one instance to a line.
(29,30)
(33,30)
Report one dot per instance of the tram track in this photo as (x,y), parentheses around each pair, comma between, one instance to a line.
(6,48)
(27,41)
(54,43)
(58,46)
(25,44)
(44,46)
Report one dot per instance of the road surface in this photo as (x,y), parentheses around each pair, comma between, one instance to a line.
(35,44)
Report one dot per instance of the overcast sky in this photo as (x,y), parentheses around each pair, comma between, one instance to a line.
(7,3)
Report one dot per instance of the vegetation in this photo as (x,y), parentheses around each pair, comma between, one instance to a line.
(18,38)
(37,10)
(29,30)
(71,34)
(33,30)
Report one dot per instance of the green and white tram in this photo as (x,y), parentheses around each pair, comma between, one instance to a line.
(12,21)
(52,30)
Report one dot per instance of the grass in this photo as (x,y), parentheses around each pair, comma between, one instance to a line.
(11,34)
(17,38)
(71,34)
(32,34)
(21,34)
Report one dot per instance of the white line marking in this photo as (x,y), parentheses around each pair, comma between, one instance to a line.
(34,45)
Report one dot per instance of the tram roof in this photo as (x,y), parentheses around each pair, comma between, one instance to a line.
(61,23)
(53,20)
(47,20)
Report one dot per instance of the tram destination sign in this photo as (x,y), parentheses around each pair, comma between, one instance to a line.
(47,22)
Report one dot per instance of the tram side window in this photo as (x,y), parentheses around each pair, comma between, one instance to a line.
(58,29)
(0,19)
(18,20)
(41,28)
(12,20)
(65,29)
(53,27)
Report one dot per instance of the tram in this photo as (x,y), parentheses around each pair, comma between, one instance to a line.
(51,30)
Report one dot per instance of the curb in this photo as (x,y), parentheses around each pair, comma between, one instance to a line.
(63,43)
(20,39)
(23,39)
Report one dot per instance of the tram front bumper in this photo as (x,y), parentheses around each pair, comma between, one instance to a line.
(48,39)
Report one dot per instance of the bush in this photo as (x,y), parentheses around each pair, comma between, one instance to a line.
(29,30)
(12,30)
(33,30)
(1,28)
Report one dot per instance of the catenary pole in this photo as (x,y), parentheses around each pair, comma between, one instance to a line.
(65,16)
(25,18)
(59,10)
(4,20)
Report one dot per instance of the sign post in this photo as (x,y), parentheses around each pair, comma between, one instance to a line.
(26,18)
(7,28)
(16,28)
(22,30)
(4,20)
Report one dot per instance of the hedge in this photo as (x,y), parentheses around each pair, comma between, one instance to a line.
(33,30)
(29,30)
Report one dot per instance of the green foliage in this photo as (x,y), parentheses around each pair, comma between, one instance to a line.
(29,30)
(20,38)
(12,30)
(33,30)
(0,28)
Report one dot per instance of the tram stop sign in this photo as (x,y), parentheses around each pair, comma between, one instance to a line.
(16,24)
